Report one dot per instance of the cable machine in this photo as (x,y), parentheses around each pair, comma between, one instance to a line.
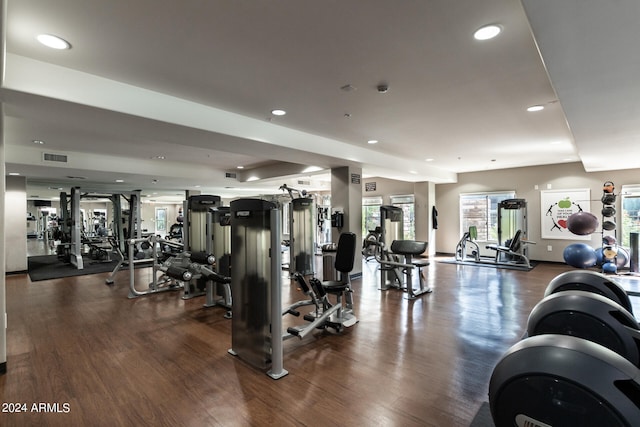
(256,322)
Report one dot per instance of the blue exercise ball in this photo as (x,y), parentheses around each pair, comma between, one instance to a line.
(622,258)
(599,257)
(580,255)
(582,223)
(609,267)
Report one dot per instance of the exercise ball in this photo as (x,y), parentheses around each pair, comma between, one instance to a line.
(609,251)
(582,223)
(622,257)
(580,255)
(609,267)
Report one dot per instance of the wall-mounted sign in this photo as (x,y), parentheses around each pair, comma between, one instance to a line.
(556,206)
(369,186)
(355,178)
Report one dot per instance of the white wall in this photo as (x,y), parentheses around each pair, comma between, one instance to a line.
(523,181)
(149,215)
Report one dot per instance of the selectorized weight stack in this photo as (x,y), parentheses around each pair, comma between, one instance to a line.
(256,325)
(222,239)
(302,220)
(198,234)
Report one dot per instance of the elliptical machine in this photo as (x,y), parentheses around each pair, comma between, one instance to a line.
(579,364)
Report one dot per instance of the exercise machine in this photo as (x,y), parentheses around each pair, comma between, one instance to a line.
(397,257)
(370,244)
(512,231)
(513,252)
(198,237)
(302,232)
(391,229)
(327,314)
(467,249)
(126,225)
(217,292)
(561,380)
(256,323)
(176,271)
(578,364)
(591,281)
(401,270)
(169,281)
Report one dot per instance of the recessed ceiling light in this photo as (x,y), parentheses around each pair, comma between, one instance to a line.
(14,174)
(54,42)
(239,167)
(487,32)
(119,180)
(535,108)
(278,112)
(38,141)
(428,160)
(372,141)
(159,157)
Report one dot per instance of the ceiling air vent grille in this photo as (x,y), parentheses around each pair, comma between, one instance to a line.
(230,175)
(50,157)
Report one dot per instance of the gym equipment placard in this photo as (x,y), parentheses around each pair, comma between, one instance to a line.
(556,207)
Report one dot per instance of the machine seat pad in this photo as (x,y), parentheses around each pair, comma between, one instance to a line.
(408,247)
(420,264)
(333,286)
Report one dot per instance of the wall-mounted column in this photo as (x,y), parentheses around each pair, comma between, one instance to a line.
(346,197)
(3,252)
(15,223)
(425,201)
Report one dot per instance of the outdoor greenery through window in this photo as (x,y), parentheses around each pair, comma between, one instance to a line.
(481,210)
(406,203)
(630,213)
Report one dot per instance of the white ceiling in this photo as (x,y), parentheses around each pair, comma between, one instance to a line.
(195,81)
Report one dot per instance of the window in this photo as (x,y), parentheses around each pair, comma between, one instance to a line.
(370,213)
(408,219)
(161,219)
(630,212)
(481,210)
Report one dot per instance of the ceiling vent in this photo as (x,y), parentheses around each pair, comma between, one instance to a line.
(230,175)
(50,157)
(304,182)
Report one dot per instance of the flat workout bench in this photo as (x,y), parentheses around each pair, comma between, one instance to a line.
(408,249)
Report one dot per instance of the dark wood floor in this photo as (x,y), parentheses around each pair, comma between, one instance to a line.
(160,360)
